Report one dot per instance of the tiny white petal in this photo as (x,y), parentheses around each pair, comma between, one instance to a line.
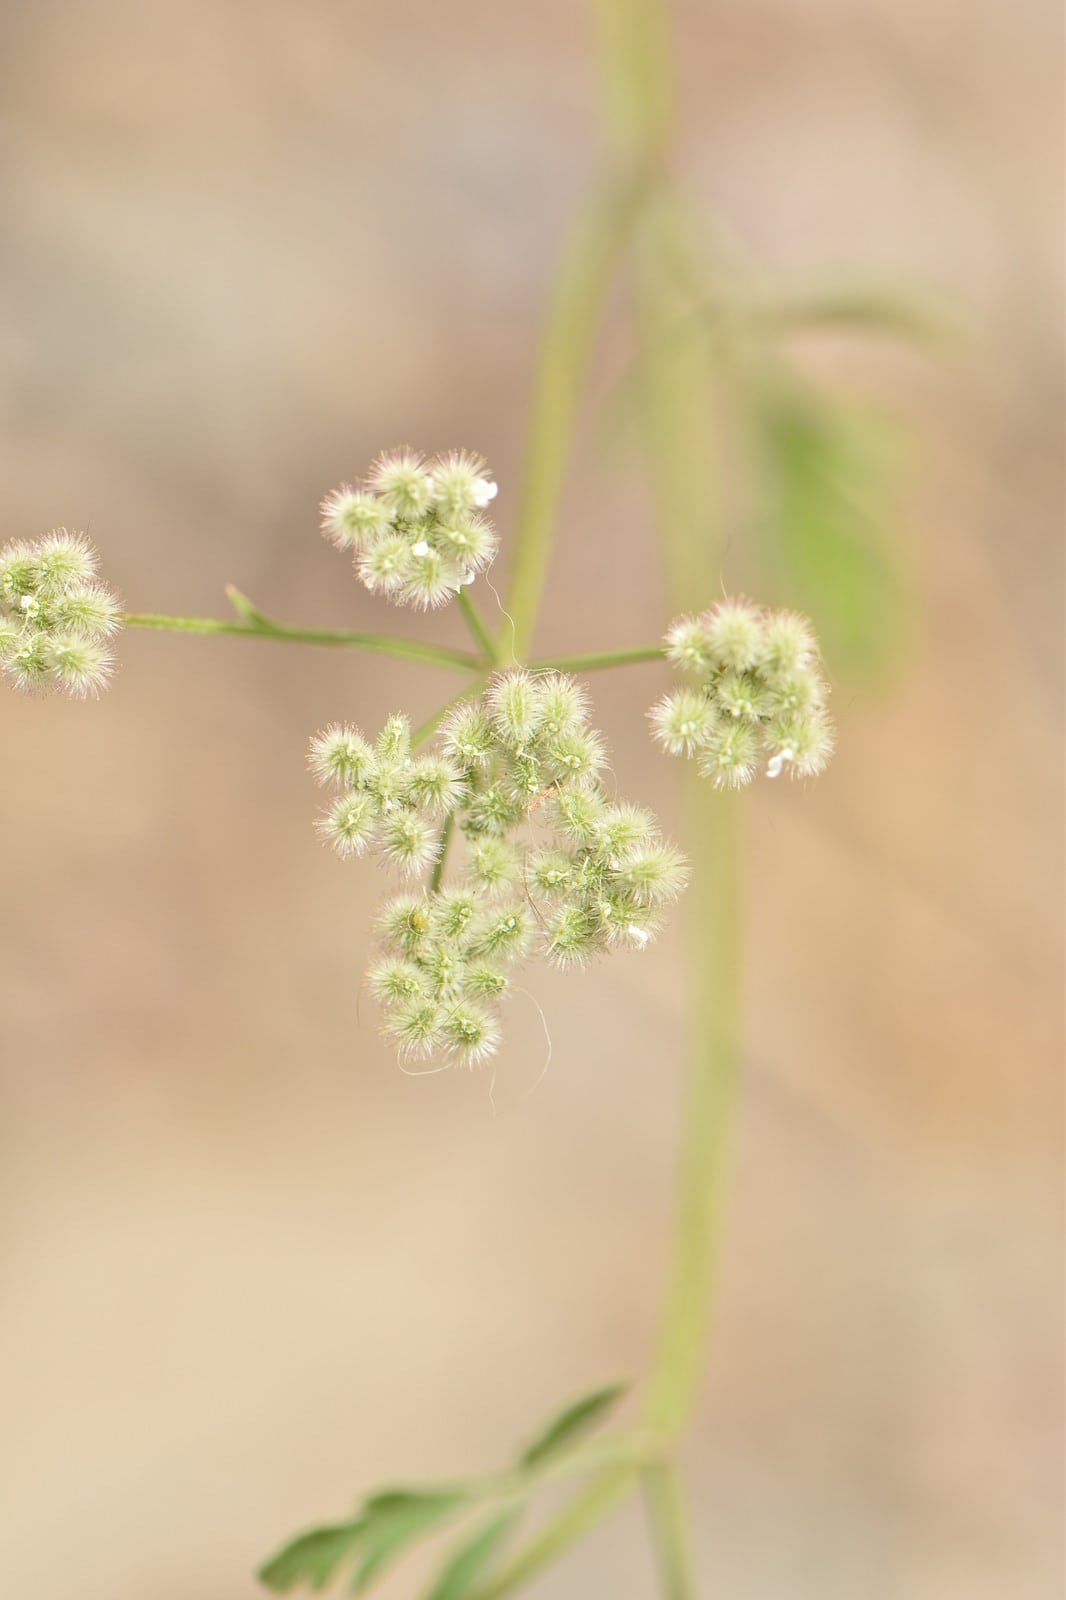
(639,936)
(484,491)
(420,549)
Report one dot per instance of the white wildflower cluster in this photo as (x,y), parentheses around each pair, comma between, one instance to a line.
(416,528)
(55,615)
(552,865)
(759,696)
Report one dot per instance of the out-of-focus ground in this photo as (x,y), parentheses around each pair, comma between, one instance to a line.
(248,1268)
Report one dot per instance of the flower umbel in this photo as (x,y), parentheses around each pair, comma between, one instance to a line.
(55,615)
(552,864)
(760,696)
(415,527)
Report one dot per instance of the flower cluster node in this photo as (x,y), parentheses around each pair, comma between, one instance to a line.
(415,527)
(55,615)
(759,699)
(552,864)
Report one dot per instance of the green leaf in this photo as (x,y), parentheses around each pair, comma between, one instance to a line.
(246,609)
(313,1558)
(577,1419)
(457,1577)
(828,521)
(394,1520)
(389,1522)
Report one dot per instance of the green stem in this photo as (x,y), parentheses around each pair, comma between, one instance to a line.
(669,1524)
(582,1513)
(714,1049)
(675,397)
(580,295)
(598,661)
(280,632)
(477,625)
(437,876)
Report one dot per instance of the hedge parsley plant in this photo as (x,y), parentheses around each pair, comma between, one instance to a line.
(495,817)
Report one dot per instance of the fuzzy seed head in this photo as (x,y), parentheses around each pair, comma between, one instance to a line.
(467,736)
(564,705)
(734,634)
(514,783)
(577,756)
(55,616)
(468,542)
(80,666)
(353,519)
(688,645)
(580,815)
(350,824)
(683,721)
(452,912)
(789,645)
(495,864)
(400,480)
(430,578)
(409,842)
(482,982)
(385,568)
(549,873)
(730,756)
(461,484)
(394,982)
(416,1028)
(340,755)
(473,1034)
(655,874)
(761,700)
(437,785)
(571,937)
(513,702)
(65,562)
(416,528)
(622,829)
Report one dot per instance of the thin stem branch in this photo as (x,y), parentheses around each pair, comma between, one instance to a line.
(636,1448)
(675,396)
(714,1051)
(600,660)
(438,655)
(478,627)
(582,1513)
(581,291)
(437,875)
(664,1497)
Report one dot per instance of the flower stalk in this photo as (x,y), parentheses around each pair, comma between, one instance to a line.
(437,655)
(479,629)
(582,289)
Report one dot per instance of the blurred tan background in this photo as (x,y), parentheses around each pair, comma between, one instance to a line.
(248,1268)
